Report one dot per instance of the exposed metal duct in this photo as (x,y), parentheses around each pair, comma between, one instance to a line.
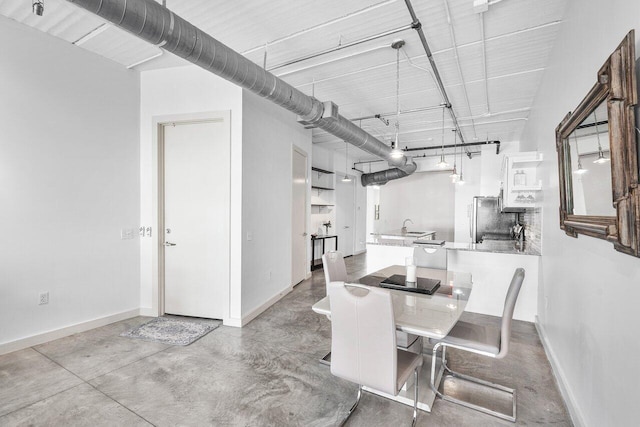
(382,177)
(158,25)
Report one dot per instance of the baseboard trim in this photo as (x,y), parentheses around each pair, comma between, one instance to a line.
(561,381)
(147,311)
(260,309)
(55,334)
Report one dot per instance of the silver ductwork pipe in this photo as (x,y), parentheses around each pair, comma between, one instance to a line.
(382,177)
(156,24)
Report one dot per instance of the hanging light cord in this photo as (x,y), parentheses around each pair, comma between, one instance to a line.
(396,143)
(579,170)
(597,131)
(442,135)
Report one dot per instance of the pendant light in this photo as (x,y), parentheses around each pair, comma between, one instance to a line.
(580,169)
(454,174)
(601,158)
(397,153)
(346,162)
(442,164)
(38,7)
(461,179)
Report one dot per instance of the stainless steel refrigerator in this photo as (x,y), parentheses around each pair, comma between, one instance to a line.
(488,222)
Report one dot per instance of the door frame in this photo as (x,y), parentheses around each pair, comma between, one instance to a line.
(307,271)
(354,213)
(158,234)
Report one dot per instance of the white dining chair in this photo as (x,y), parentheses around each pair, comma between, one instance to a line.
(363,342)
(335,270)
(484,340)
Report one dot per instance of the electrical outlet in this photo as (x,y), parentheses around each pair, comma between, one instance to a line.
(44,298)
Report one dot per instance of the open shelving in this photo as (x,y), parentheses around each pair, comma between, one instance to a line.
(323,171)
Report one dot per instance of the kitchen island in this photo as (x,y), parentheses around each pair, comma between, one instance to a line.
(491,263)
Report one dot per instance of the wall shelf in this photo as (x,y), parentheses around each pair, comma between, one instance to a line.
(527,188)
(315,169)
(316,187)
(527,163)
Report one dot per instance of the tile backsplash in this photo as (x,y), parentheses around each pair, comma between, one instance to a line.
(531,219)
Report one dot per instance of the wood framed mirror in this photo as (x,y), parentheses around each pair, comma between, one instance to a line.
(598,157)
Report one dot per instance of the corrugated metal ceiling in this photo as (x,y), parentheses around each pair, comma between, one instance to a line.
(519,35)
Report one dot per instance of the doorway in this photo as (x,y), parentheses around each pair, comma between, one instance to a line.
(299,241)
(345,215)
(194,196)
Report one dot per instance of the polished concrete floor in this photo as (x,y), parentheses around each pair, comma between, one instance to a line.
(265,374)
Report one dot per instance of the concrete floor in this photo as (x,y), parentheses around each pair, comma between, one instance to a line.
(265,374)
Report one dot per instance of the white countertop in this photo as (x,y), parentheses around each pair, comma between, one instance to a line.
(493,246)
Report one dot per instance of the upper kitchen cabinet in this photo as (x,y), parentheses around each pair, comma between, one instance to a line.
(521,186)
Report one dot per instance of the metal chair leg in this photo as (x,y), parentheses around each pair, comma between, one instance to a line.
(353,407)
(415,397)
(326,360)
(511,391)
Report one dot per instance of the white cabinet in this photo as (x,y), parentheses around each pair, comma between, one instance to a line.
(521,185)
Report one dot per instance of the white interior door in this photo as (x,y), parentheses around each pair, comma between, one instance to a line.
(196,217)
(345,215)
(299,218)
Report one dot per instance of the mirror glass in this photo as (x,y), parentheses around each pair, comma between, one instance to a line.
(589,186)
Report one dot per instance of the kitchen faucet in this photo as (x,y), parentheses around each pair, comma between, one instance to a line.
(404,225)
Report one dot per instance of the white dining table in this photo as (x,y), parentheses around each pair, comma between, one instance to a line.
(429,316)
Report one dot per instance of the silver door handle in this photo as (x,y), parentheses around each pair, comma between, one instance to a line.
(169,244)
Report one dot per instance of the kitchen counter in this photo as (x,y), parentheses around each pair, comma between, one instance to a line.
(492,246)
(398,238)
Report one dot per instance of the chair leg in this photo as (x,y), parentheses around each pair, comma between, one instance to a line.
(353,408)
(511,391)
(326,360)
(415,397)
(434,359)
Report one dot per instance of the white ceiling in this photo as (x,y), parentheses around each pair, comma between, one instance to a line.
(361,80)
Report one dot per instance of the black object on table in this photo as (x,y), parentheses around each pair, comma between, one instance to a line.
(423,286)
(313,249)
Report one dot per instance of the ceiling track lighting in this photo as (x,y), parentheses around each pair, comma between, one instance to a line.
(580,169)
(37,6)
(443,163)
(346,162)
(461,178)
(454,174)
(396,153)
(601,158)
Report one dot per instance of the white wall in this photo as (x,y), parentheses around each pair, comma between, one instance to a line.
(69,167)
(427,198)
(589,293)
(185,91)
(268,134)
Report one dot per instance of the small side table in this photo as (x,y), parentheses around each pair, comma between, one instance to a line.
(313,249)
